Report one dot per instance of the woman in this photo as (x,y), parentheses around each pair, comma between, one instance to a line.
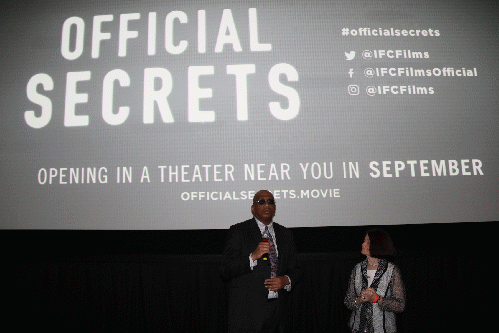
(376,290)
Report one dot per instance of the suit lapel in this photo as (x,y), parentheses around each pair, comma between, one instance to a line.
(255,231)
(281,247)
(278,235)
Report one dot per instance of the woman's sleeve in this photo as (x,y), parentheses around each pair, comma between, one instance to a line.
(396,302)
(351,295)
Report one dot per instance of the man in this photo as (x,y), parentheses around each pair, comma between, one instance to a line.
(260,272)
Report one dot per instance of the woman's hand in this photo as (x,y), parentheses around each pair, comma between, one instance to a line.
(367,295)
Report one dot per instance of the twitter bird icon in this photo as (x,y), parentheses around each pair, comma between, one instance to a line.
(350,55)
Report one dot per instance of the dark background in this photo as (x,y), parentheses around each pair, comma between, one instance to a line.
(127,281)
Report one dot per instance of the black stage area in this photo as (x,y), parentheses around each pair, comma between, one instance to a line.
(151,281)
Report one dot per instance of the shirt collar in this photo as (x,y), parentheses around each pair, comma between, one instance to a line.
(262,226)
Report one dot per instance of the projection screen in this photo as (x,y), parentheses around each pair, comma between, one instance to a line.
(172,114)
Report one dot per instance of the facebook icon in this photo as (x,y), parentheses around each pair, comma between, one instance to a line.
(350,72)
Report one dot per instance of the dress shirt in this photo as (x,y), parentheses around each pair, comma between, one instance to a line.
(253,263)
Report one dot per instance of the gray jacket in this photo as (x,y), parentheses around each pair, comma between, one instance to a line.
(374,318)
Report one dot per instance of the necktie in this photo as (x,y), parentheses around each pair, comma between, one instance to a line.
(272,255)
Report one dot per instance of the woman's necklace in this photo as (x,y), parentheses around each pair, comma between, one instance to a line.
(373,265)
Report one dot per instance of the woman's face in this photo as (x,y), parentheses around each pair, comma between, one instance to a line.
(365,246)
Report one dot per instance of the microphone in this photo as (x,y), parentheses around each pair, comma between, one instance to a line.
(265,238)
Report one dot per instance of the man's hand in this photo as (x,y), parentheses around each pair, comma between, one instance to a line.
(277,283)
(261,249)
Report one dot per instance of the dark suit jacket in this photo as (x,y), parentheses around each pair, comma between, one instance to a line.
(247,292)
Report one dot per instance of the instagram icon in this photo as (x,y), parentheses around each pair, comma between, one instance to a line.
(353,89)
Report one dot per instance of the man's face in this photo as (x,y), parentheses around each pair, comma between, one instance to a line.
(264,213)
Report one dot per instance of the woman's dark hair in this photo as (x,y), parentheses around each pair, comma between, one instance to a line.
(381,245)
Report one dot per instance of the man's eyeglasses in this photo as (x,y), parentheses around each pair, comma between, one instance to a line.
(261,202)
